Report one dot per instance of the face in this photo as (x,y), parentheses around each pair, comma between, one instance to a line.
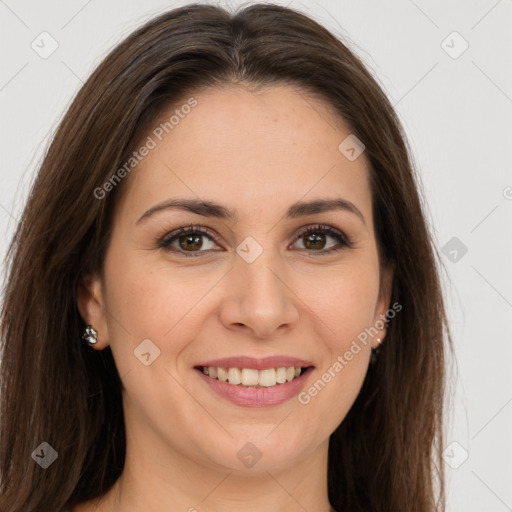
(274,280)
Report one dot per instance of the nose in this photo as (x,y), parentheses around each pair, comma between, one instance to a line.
(261,300)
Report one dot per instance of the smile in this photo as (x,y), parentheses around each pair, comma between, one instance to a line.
(252,378)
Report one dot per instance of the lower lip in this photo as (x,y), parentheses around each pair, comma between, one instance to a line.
(257,397)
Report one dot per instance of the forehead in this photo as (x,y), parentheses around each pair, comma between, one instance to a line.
(249,149)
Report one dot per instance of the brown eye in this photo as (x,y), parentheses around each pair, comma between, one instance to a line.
(315,239)
(190,241)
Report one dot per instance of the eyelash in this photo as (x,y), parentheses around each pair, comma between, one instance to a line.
(166,241)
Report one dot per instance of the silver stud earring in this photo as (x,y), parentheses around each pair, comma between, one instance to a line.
(90,335)
(375,352)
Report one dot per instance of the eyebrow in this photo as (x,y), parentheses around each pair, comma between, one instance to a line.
(210,209)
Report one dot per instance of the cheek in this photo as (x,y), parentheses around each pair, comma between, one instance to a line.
(332,393)
(344,310)
(151,299)
(344,300)
(159,304)
(344,304)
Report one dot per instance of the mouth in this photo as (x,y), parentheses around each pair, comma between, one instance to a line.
(252,377)
(255,382)
(252,387)
(254,372)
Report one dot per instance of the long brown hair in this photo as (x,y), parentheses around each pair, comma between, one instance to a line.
(386,453)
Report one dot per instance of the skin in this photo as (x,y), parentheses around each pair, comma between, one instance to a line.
(257,152)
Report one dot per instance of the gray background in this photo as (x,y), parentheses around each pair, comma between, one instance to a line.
(456,108)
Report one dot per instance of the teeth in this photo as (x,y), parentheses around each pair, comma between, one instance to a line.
(267,378)
(234,376)
(222,374)
(281,375)
(251,377)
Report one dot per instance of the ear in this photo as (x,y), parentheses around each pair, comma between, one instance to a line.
(91,304)
(383,305)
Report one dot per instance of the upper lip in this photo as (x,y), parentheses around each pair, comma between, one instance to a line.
(256,363)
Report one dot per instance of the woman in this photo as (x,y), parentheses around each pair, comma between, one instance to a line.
(222,293)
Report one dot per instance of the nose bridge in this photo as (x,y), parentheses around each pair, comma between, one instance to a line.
(262,299)
(261,277)
(260,268)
